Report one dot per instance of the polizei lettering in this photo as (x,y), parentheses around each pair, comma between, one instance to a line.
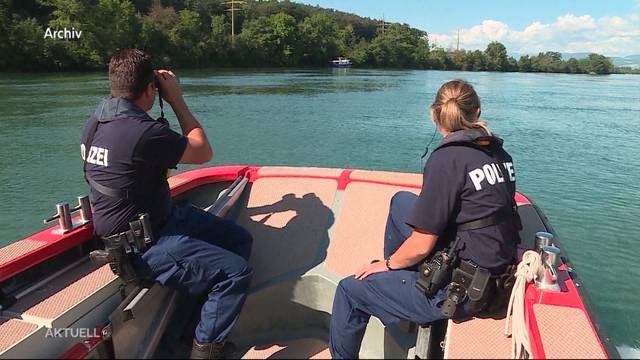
(63,34)
(96,156)
(492,174)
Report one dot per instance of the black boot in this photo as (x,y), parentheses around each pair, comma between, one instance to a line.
(207,350)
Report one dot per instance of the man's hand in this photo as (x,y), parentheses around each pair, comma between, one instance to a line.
(368,269)
(169,87)
(198,150)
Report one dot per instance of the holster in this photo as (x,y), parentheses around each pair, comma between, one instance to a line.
(435,274)
(120,249)
(503,286)
(470,283)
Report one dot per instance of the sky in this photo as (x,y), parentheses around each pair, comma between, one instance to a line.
(609,27)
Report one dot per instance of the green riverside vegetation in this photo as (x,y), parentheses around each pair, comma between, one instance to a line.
(269,33)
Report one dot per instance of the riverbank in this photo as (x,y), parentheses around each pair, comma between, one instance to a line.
(264,34)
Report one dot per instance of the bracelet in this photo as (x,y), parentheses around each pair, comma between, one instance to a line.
(386,262)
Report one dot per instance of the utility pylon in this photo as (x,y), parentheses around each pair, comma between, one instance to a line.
(232,8)
(383,24)
(458,44)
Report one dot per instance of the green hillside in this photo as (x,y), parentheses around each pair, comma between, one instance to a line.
(268,33)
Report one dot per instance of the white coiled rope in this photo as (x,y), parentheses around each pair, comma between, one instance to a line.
(527,272)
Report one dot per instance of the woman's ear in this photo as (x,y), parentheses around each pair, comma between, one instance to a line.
(478,112)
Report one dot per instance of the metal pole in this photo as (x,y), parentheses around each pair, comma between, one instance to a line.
(232,9)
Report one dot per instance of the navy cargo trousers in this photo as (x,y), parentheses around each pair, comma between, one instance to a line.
(390,296)
(197,253)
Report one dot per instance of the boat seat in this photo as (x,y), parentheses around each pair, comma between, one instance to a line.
(363,216)
(77,299)
(578,341)
(17,337)
(477,338)
(67,298)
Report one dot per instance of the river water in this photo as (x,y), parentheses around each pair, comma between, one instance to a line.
(574,139)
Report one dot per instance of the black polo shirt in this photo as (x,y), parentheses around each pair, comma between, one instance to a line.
(129,150)
(465,183)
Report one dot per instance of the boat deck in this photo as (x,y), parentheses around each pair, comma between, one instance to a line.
(311,228)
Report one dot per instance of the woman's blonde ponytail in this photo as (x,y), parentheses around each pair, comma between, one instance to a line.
(456,107)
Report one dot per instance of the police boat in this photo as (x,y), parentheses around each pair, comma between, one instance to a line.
(311,227)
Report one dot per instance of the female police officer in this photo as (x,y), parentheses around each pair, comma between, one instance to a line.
(467,194)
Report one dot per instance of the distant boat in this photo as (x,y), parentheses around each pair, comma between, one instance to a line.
(340,62)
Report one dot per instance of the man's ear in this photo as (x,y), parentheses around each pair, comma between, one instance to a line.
(150,89)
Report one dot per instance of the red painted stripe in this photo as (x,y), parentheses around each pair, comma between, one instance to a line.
(81,349)
(54,245)
(521,199)
(344,179)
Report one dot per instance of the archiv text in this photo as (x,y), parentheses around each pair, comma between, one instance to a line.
(64,34)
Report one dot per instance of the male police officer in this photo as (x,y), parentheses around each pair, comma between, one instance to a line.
(127,155)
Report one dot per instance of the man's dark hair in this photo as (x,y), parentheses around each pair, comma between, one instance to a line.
(130,71)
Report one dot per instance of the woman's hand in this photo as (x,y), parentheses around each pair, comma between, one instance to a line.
(368,269)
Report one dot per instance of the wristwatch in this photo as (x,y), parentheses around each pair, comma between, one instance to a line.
(386,262)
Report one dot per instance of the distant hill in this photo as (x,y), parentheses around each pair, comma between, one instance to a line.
(628,61)
(632,61)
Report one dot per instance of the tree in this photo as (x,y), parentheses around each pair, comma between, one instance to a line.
(285,36)
(269,41)
(320,39)
(186,43)
(512,64)
(118,26)
(457,58)
(524,64)
(154,37)
(475,61)
(422,53)
(394,47)
(349,37)
(549,61)
(106,26)
(438,59)
(573,66)
(496,55)
(27,45)
(74,54)
(218,46)
(599,64)
(5,46)
(360,54)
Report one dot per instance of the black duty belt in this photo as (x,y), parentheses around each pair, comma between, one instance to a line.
(136,239)
(493,219)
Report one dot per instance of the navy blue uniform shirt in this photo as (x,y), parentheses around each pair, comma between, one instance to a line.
(129,150)
(465,183)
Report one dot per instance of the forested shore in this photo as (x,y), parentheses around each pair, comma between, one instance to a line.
(268,33)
